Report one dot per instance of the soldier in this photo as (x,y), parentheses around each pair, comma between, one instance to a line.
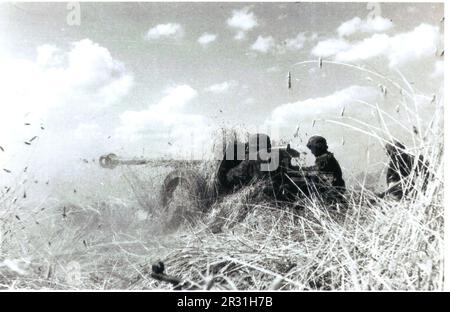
(399,169)
(243,172)
(326,173)
(231,159)
(249,169)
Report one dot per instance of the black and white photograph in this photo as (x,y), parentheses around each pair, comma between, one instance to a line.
(222,146)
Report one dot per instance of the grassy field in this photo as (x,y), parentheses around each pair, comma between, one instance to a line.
(240,243)
(372,244)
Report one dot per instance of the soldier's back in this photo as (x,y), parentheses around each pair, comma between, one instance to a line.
(327,164)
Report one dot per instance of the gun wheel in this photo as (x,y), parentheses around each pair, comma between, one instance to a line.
(182,197)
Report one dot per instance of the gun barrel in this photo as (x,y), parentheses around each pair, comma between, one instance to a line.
(111,161)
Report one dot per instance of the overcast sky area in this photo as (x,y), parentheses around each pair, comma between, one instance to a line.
(152,79)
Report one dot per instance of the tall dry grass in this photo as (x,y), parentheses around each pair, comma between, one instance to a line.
(244,241)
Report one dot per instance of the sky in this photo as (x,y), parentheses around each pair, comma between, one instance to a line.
(159,79)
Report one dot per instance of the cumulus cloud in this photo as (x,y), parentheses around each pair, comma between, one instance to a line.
(330,47)
(206,39)
(169,30)
(370,47)
(243,21)
(58,90)
(399,49)
(263,44)
(222,87)
(48,55)
(296,43)
(163,112)
(90,66)
(167,122)
(331,105)
(421,42)
(59,79)
(268,44)
(370,25)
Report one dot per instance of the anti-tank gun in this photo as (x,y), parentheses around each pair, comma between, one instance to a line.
(111,161)
(186,191)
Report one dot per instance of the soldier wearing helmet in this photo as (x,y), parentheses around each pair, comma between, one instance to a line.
(328,180)
(249,169)
(400,162)
(401,165)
